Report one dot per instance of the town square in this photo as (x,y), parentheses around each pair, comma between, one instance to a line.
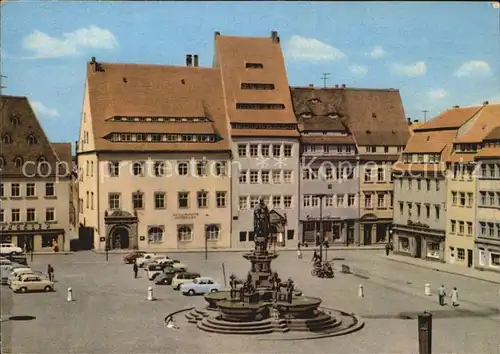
(260,177)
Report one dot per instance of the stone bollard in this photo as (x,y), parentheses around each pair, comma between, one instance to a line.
(150,293)
(428,289)
(70,294)
(361,292)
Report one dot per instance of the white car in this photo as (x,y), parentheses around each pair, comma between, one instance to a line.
(17,272)
(31,282)
(10,249)
(151,257)
(201,285)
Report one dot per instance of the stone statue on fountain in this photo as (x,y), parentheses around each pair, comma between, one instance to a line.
(261,226)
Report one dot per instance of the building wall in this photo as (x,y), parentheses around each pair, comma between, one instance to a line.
(89,177)
(487,226)
(460,223)
(339,217)
(171,217)
(23,231)
(242,216)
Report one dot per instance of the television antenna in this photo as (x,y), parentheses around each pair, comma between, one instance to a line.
(325,77)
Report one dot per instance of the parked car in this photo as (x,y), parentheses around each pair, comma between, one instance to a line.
(201,285)
(184,277)
(132,256)
(166,277)
(149,258)
(6,270)
(153,269)
(5,261)
(31,282)
(176,264)
(10,249)
(19,271)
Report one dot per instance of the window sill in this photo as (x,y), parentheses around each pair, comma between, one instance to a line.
(382,182)
(184,242)
(51,222)
(157,208)
(50,197)
(32,197)
(221,206)
(16,197)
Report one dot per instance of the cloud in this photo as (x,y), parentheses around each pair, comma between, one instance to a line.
(411,70)
(437,94)
(44,46)
(473,68)
(358,70)
(311,49)
(377,52)
(43,110)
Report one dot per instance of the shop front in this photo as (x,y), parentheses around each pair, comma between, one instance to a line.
(418,240)
(335,230)
(374,230)
(35,240)
(488,256)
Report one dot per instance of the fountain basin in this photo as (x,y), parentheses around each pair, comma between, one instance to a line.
(237,311)
(214,298)
(300,307)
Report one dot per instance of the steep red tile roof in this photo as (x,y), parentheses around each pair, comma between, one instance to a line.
(451,118)
(483,122)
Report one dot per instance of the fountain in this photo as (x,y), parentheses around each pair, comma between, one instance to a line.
(264,304)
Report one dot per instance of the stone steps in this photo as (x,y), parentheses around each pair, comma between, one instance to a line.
(224,327)
(196,315)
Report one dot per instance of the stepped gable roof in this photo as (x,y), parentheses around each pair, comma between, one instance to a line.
(253,60)
(483,122)
(375,116)
(24,141)
(193,94)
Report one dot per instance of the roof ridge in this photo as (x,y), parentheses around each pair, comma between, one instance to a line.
(158,65)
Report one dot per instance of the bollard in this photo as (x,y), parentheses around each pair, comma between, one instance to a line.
(361,293)
(150,293)
(428,289)
(70,294)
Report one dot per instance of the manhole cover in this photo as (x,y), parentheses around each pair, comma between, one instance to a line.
(21,318)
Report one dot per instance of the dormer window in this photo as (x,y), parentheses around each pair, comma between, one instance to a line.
(41,159)
(7,139)
(306,115)
(315,100)
(15,120)
(333,115)
(18,162)
(254,65)
(31,139)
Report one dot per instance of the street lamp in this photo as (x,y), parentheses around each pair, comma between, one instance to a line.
(322,238)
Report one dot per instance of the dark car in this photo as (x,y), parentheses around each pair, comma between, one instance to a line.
(165,278)
(132,256)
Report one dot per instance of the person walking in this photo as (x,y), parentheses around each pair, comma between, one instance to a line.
(441,295)
(387,248)
(299,253)
(454,296)
(50,271)
(315,257)
(136,269)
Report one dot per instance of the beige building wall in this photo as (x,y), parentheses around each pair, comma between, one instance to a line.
(170,218)
(460,219)
(40,202)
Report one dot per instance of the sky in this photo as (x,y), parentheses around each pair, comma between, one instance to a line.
(438,54)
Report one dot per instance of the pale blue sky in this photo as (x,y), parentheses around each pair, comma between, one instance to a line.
(437,54)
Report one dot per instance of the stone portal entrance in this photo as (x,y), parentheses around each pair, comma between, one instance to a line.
(121,230)
(277,229)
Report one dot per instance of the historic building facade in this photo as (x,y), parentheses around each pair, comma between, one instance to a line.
(329,169)
(35,181)
(263,130)
(155,156)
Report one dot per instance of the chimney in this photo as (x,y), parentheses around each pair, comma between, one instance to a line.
(195,60)
(274,37)
(485,103)
(216,34)
(343,85)
(456,106)
(415,121)
(92,61)
(189,60)
(336,86)
(311,85)
(409,121)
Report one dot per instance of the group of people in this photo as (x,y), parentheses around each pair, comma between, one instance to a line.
(442,295)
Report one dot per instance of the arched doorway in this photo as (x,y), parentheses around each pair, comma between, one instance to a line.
(119,238)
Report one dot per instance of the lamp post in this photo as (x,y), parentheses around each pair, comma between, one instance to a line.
(322,235)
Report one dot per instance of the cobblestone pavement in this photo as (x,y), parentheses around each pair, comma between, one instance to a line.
(110,313)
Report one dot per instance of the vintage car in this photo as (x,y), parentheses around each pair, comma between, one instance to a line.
(16,273)
(31,282)
(10,249)
(132,256)
(151,257)
(165,277)
(184,277)
(153,269)
(172,263)
(201,285)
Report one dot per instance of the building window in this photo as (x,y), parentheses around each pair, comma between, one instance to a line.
(137,168)
(460,254)
(220,168)
(462,199)
(114,201)
(453,226)
(182,168)
(221,199)
(243,236)
(461,227)
(252,86)
(261,106)
(243,176)
(287,150)
(30,215)
(469,228)
(306,201)
(276,177)
(254,150)
(159,200)
(114,168)
(351,200)
(277,201)
(380,175)
(212,232)
(437,209)
(264,176)
(409,184)
(185,233)
(276,150)
(491,196)
(470,199)
(15,190)
(201,168)
(160,169)
(242,150)
(2,216)
(30,189)
(380,200)
(428,211)
(491,230)
(287,176)
(418,209)
(254,177)
(371,149)
(494,260)
(15,215)
(401,208)
(419,184)
(254,200)
(50,190)
(91,200)
(264,150)
(202,199)
(183,200)
(287,201)
(483,228)
(428,184)
(137,200)
(7,139)
(2,190)
(368,201)
(483,198)
(155,234)
(368,174)
(243,203)
(18,162)
(254,65)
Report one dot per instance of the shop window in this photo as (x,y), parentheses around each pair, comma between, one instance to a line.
(47,240)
